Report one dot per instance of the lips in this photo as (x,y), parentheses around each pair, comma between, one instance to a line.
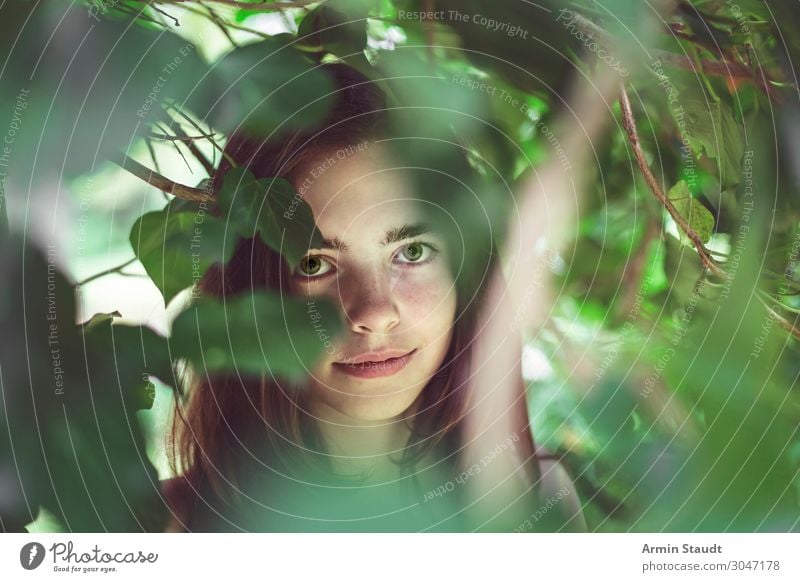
(376,357)
(376,364)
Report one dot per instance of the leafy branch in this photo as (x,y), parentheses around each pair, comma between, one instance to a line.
(629,123)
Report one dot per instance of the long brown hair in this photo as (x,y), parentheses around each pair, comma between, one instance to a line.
(226,413)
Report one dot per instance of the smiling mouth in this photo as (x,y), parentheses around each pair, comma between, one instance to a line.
(375,369)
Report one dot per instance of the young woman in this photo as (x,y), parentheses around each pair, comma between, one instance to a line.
(416,418)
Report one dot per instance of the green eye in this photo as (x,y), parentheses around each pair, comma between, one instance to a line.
(416,253)
(311,266)
(413,252)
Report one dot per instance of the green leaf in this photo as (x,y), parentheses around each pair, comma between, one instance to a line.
(263,87)
(240,200)
(698,216)
(177,248)
(81,85)
(271,208)
(86,461)
(289,223)
(338,30)
(261,332)
(711,126)
(99,319)
(683,269)
(528,48)
(243,14)
(127,356)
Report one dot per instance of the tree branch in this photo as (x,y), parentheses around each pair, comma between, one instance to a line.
(117,269)
(630,127)
(209,137)
(782,321)
(256,6)
(181,136)
(162,183)
(629,123)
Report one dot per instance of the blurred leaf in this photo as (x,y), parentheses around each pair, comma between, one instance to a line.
(683,269)
(261,88)
(335,26)
(69,435)
(529,49)
(259,333)
(132,354)
(82,86)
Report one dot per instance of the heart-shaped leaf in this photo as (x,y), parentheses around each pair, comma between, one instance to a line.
(177,248)
(698,216)
(272,208)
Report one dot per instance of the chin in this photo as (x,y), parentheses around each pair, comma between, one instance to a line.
(372,408)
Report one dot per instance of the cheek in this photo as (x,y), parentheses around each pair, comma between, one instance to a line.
(426,299)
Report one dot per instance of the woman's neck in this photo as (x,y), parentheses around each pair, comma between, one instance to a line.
(358,447)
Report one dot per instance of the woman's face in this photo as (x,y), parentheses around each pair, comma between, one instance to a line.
(390,279)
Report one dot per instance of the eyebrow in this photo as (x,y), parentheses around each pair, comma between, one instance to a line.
(393,235)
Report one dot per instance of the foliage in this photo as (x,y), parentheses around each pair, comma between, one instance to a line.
(673,339)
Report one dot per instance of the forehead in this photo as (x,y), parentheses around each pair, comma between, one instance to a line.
(357,193)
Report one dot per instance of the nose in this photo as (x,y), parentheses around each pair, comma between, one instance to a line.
(371,306)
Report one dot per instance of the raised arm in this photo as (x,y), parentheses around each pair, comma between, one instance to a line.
(498,453)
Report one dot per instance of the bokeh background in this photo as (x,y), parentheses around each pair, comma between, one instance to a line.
(666,369)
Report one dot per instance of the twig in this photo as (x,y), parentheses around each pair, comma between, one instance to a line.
(183,137)
(153,156)
(192,147)
(221,25)
(227,23)
(782,321)
(107,272)
(779,303)
(194,124)
(155,162)
(727,69)
(256,6)
(139,14)
(630,128)
(174,20)
(162,183)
